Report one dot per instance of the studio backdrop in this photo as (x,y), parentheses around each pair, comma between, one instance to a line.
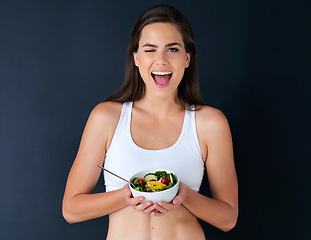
(59,59)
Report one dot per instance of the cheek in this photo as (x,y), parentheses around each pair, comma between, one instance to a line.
(182,64)
(145,65)
(144,70)
(180,75)
(179,61)
(141,60)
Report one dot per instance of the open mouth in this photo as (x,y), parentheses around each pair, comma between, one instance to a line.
(161,79)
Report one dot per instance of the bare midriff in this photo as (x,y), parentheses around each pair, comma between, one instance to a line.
(128,224)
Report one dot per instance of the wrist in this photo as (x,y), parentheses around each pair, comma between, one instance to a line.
(187,191)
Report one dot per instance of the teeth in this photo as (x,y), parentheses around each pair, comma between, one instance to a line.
(161,73)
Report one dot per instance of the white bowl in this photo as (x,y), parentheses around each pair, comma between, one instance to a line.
(155,197)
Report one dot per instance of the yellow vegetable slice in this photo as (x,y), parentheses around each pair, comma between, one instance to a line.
(156,184)
(158,187)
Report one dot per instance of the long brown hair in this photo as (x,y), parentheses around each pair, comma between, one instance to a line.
(133,87)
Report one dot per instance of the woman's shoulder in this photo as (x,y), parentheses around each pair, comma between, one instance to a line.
(209,118)
(210,114)
(107,113)
(107,108)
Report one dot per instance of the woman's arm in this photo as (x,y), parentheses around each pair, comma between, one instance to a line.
(221,210)
(79,203)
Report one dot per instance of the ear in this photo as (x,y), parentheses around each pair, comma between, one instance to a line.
(135,58)
(188,56)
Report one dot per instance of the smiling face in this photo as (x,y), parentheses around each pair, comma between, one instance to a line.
(161,58)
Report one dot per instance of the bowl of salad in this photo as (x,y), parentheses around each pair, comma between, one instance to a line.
(155,185)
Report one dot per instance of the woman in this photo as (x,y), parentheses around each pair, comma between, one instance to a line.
(156,119)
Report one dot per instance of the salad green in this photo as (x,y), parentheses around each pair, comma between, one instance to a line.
(155,182)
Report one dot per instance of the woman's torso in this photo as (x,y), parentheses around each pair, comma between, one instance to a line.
(125,157)
(179,224)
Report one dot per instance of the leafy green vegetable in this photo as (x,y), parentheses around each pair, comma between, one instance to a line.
(160,174)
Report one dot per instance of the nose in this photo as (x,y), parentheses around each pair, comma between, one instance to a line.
(161,58)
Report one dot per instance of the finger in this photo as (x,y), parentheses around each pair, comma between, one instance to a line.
(156,213)
(176,201)
(165,205)
(160,209)
(136,201)
(147,210)
(143,206)
(127,191)
(133,201)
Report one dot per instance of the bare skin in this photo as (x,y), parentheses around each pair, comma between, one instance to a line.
(159,109)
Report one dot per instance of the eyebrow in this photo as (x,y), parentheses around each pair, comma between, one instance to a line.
(167,45)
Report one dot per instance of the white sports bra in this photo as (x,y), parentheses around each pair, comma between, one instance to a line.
(125,158)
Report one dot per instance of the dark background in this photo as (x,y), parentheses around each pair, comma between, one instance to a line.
(58,59)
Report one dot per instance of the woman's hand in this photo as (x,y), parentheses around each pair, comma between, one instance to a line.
(163,207)
(136,203)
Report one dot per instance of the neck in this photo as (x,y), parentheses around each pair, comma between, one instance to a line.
(159,107)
